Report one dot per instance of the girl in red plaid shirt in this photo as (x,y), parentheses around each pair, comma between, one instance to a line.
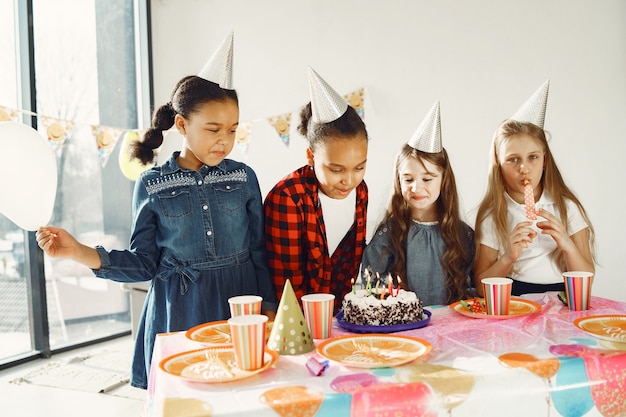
(316,216)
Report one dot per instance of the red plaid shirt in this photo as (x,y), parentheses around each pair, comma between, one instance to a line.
(295,237)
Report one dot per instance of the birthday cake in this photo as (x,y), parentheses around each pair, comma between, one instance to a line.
(367,308)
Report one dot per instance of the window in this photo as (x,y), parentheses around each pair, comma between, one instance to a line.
(86,70)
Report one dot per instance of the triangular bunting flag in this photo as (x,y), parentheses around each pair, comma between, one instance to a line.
(56,130)
(106,138)
(282,124)
(356,100)
(242,137)
(290,334)
(8,114)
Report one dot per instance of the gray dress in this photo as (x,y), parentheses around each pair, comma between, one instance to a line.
(425,274)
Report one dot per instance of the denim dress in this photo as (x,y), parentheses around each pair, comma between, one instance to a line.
(199,236)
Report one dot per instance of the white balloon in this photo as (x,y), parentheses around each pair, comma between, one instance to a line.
(28,176)
(172,141)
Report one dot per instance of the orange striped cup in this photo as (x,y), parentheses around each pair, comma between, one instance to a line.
(497,295)
(248,335)
(578,289)
(318,313)
(245,304)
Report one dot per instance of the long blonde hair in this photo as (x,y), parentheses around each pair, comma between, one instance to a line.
(494,202)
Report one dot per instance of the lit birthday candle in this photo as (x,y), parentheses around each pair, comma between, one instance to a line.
(399,281)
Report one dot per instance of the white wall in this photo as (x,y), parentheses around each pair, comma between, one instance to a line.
(481,59)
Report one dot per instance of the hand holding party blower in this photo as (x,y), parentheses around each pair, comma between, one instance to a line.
(529,200)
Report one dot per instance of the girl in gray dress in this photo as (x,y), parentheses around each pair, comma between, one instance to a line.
(422,238)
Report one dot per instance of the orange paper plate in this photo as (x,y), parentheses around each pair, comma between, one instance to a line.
(611,327)
(518,307)
(210,365)
(216,333)
(373,350)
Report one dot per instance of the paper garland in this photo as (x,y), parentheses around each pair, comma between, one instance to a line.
(56,131)
(106,138)
(242,137)
(356,99)
(282,124)
(8,114)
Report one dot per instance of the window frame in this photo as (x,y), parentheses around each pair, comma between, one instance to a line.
(27,100)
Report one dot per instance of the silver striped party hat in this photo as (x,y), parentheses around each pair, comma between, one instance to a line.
(427,137)
(326,104)
(534,110)
(219,68)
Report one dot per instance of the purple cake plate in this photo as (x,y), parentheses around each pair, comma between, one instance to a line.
(391,328)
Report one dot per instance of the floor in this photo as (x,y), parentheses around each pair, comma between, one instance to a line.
(26,400)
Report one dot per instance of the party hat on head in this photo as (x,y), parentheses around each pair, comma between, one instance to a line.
(427,137)
(534,110)
(290,334)
(326,104)
(219,68)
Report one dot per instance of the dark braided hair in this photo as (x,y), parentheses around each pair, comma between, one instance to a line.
(348,125)
(188,95)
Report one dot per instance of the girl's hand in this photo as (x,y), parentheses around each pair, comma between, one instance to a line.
(56,242)
(519,239)
(553,227)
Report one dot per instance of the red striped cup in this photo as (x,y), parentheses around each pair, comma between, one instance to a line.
(578,289)
(318,313)
(497,295)
(245,304)
(248,335)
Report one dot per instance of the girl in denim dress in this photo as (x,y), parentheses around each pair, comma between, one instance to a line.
(198,228)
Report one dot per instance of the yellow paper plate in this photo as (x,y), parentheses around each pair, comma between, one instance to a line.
(216,333)
(373,350)
(210,365)
(518,307)
(611,327)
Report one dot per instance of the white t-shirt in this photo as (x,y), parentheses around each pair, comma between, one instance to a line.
(338,218)
(534,264)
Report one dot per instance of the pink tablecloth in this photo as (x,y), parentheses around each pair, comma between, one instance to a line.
(534,365)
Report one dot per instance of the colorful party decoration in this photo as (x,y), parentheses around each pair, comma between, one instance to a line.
(570,392)
(290,334)
(242,138)
(176,407)
(404,400)
(281,124)
(601,365)
(26,163)
(56,131)
(543,368)
(335,405)
(106,138)
(293,401)
(356,100)
(131,167)
(8,114)
(451,385)
(354,382)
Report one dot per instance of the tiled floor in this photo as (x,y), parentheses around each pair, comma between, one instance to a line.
(26,400)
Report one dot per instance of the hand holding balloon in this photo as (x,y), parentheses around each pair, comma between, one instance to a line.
(58,243)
